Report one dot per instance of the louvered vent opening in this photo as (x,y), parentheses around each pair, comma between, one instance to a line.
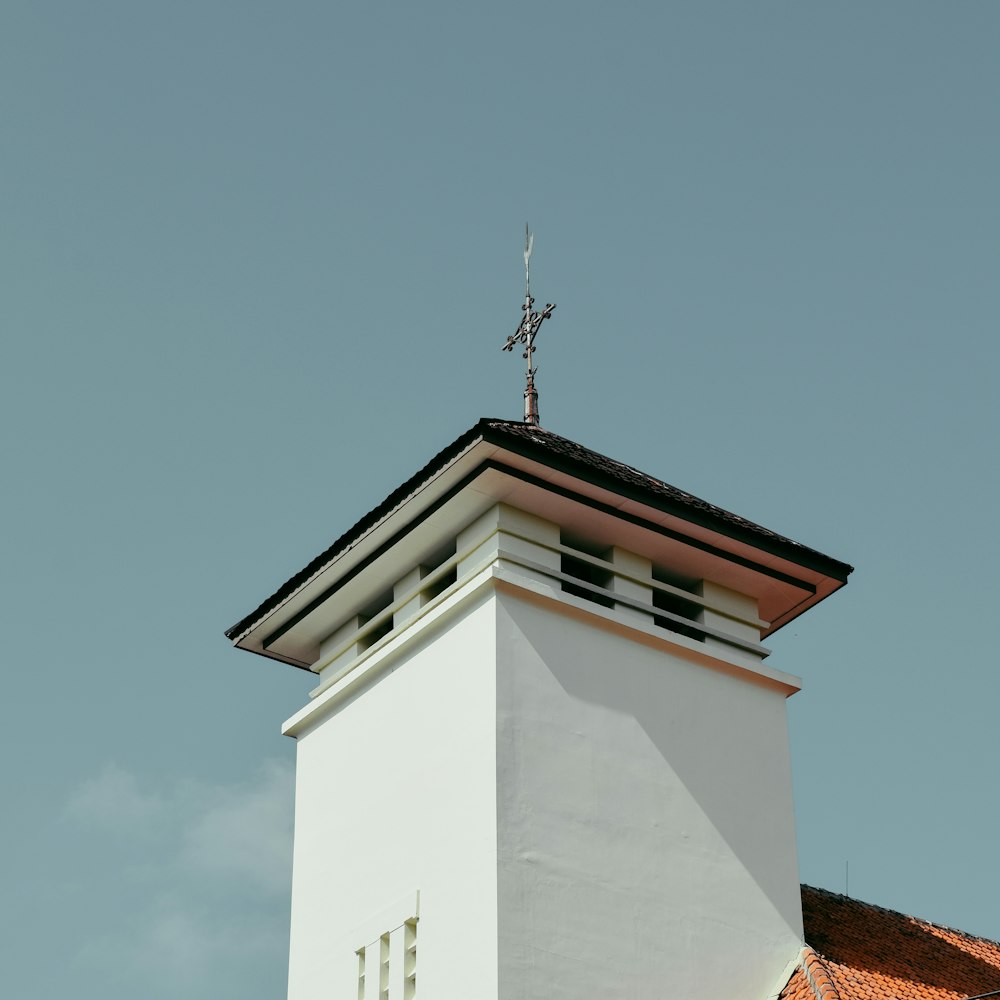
(368,612)
(440,586)
(676,605)
(586,571)
(387,968)
(383,970)
(410,968)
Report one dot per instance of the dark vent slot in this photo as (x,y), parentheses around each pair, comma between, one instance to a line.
(677,606)
(441,585)
(368,613)
(588,573)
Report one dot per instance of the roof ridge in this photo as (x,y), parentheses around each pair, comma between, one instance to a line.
(899,913)
(818,975)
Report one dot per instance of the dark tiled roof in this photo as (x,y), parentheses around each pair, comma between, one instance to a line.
(558,452)
(857,951)
(616,475)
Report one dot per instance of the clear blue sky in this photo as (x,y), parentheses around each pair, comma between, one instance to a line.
(258,261)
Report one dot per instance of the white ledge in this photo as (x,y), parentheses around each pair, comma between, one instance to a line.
(503,573)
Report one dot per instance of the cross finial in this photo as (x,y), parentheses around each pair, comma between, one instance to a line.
(525,334)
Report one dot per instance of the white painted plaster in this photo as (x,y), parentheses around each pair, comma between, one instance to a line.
(721,655)
(376,970)
(390,917)
(396,790)
(505,535)
(645,829)
(371,658)
(729,611)
(514,531)
(588,805)
(336,639)
(630,567)
(409,584)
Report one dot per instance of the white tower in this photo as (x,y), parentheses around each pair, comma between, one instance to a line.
(545,758)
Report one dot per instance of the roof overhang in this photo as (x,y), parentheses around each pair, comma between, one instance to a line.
(585,493)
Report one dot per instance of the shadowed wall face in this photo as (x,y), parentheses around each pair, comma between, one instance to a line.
(645,828)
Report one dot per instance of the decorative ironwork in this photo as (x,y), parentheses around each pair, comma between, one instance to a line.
(526,332)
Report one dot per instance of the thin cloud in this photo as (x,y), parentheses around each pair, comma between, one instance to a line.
(213,898)
(180,949)
(113,800)
(247,832)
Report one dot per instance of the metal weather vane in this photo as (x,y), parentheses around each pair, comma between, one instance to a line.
(526,332)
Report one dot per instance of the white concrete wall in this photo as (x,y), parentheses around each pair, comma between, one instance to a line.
(396,792)
(583,812)
(645,828)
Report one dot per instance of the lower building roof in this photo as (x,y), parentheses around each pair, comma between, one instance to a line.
(857,951)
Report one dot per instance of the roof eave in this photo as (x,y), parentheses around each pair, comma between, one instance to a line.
(531,445)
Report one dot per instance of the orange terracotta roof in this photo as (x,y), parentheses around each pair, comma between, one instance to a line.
(857,951)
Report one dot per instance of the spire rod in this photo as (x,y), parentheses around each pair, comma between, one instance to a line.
(525,334)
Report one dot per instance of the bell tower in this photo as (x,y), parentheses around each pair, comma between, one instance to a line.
(546,756)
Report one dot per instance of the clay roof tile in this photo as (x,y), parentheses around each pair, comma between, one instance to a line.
(857,951)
